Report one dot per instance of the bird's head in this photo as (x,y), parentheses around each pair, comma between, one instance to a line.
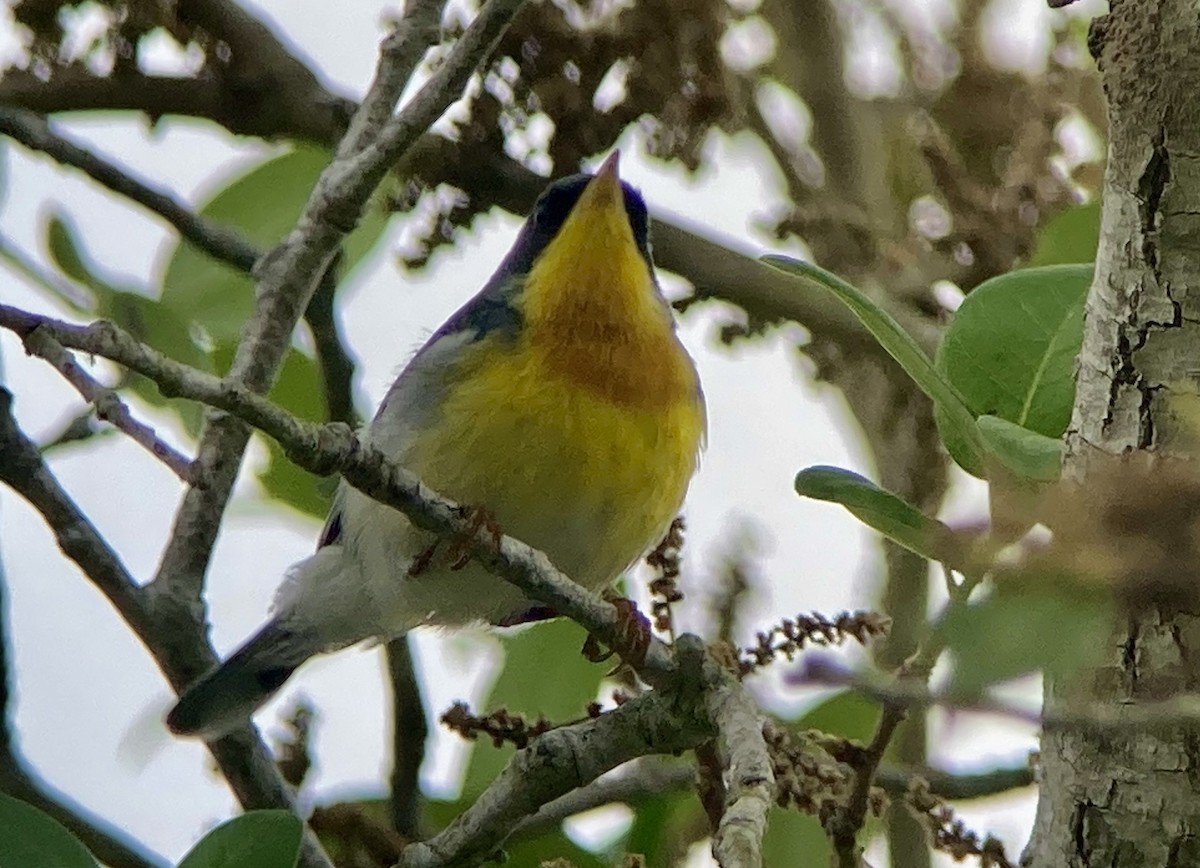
(585,252)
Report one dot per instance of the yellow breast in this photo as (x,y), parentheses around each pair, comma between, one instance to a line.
(583,451)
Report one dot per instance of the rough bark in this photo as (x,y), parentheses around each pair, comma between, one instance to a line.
(1133,798)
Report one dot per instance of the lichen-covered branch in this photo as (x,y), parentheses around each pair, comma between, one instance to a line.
(683,673)
(285,281)
(243,758)
(749,778)
(324,449)
(108,403)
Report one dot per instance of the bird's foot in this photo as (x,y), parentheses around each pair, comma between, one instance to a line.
(478,518)
(633,636)
(422,561)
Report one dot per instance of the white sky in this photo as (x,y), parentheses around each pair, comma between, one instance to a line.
(84,684)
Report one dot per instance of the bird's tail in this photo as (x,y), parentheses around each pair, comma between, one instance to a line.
(229,694)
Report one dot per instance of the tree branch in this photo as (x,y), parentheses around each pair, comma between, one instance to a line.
(723,705)
(409,731)
(750,780)
(108,403)
(636,780)
(573,756)
(101,838)
(243,758)
(846,823)
(957,786)
(218,241)
(285,282)
(256,87)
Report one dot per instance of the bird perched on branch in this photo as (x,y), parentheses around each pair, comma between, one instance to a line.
(559,399)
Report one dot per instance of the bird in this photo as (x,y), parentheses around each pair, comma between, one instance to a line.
(559,399)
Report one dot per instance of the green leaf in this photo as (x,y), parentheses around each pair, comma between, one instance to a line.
(299,390)
(662,826)
(67,254)
(1026,453)
(263,204)
(527,685)
(900,346)
(883,511)
(1071,236)
(795,839)
(1010,352)
(847,713)
(29,837)
(257,839)
(145,318)
(1043,622)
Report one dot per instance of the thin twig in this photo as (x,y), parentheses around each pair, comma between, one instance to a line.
(107,402)
(323,449)
(23,470)
(957,786)
(409,731)
(105,841)
(1180,710)
(573,756)
(822,670)
(630,784)
(242,757)
(218,241)
(845,824)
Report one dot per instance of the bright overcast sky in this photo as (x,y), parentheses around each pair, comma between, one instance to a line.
(85,686)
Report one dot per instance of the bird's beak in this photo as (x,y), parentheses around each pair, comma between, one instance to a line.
(604,191)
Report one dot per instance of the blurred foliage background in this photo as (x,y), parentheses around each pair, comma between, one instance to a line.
(923,147)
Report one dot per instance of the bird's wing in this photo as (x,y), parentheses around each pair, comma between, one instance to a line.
(413,401)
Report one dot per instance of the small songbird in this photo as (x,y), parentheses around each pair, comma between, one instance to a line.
(559,399)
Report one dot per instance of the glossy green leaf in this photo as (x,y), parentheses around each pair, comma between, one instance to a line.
(263,204)
(1071,236)
(900,345)
(258,839)
(29,837)
(1028,623)
(1026,453)
(544,674)
(882,511)
(1010,352)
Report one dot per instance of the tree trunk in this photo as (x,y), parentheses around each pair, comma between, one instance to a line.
(1132,798)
